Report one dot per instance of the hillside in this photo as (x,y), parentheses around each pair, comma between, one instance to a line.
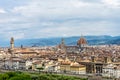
(92,40)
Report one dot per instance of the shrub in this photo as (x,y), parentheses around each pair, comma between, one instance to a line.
(4,77)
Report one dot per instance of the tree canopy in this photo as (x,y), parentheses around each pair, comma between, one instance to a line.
(28,76)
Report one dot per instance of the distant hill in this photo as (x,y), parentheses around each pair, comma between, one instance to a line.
(92,40)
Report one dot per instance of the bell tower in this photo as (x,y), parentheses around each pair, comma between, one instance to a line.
(62,41)
(12,43)
(63,45)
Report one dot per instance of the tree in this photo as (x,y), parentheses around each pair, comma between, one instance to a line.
(40,68)
(4,77)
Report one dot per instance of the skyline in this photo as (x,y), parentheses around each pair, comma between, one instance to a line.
(51,18)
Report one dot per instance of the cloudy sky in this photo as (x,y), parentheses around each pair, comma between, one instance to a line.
(56,18)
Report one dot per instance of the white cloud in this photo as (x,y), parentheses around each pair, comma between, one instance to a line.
(62,9)
(112,3)
(57,9)
(2,10)
(72,28)
(50,18)
(16,35)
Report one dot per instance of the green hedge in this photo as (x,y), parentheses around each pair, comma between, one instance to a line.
(27,76)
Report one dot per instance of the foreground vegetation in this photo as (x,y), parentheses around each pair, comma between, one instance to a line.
(28,76)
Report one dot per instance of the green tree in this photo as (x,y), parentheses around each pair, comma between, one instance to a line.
(4,77)
(21,77)
(40,68)
(11,74)
(43,77)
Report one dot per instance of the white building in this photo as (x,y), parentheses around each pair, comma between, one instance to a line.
(112,71)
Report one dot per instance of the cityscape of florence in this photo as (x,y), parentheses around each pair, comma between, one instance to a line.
(59,40)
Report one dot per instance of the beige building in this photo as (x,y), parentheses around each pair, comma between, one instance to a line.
(67,66)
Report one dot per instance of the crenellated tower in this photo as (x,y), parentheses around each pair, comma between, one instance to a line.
(12,43)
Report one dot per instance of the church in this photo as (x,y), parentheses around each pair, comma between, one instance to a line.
(80,46)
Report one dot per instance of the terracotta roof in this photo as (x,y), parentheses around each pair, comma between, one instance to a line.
(86,60)
(66,63)
(82,40)
(37,62)
(75,64)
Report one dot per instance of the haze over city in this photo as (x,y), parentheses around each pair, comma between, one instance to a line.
(24,19)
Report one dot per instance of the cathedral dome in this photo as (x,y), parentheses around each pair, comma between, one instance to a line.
(81,41)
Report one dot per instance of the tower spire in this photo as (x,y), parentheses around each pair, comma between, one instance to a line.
(63,45)
(12,43)
(62,41)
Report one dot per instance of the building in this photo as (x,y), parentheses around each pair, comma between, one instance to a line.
(12,43)
(81,45)
(14,63)
(111,70)
(66,66)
